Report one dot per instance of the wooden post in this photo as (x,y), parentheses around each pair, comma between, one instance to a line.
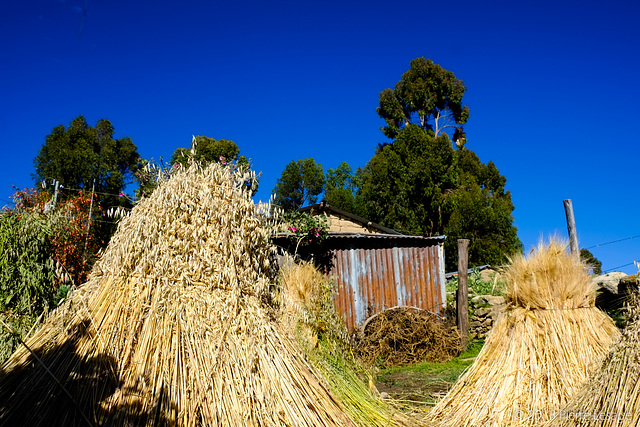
(462,294)
(571,227)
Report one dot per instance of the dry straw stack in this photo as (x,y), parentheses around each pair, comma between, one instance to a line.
(309,313)
(612,395)
(539,352)
(176,326)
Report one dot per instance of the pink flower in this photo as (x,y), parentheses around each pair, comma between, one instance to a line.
(121,194)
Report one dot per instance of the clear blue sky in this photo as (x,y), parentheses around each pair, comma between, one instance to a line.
(552,87)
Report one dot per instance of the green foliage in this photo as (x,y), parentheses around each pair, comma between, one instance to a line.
(300,184)
(479,286)
(420,184)
(407,185)
(594,264)
(27,274)
(80,154)
(209,150)
(427,92)
(307,230)
(43,252)
(204,150)
(482,212)
(27,271)
(341,187)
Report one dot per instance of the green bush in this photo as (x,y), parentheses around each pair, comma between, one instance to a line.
(481,287)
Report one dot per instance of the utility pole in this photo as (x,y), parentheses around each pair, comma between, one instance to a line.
(571,227)
(55,194)
(86,240)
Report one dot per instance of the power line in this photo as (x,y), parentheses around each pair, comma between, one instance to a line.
(613,241)
(620,266)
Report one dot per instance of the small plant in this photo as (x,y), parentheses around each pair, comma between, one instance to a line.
(494,286)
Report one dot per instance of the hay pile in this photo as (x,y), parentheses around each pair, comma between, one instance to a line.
(406,335)
(612,395)
(539,352)
(176,326)
(309,313)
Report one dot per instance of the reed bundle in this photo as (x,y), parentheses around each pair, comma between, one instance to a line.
(308,312)
(176,326)
(541,349)
(612,395)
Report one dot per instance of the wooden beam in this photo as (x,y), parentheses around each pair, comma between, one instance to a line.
(462,294)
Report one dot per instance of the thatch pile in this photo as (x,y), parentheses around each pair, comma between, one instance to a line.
(406,335)
(309,314)
(176,326)
(612,395)
(540,350)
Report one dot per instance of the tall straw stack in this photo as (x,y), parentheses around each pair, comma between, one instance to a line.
(612,395)
(176,326)
(306,296)
(541,349)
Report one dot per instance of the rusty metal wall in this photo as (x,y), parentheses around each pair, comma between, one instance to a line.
(371,280)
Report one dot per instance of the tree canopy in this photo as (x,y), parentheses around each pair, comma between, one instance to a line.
(299,185)
(209,150)
(80,154)
(595,265)
(427,95)
(482,212)
(341,187)
(420,184)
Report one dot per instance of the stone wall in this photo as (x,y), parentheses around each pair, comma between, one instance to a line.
(341,224)
(485,309)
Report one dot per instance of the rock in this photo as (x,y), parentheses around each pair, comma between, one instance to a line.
(482,312)
(494,300)
(479,300)
(609,281)
(475,324)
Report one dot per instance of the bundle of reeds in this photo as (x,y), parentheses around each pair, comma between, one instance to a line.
(309,313)
(612,395)
(541,349)
(176,326)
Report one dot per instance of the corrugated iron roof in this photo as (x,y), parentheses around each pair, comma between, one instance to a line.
(324,206)
(352,235)
(383,236)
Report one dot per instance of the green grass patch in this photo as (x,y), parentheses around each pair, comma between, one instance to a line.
(425,382)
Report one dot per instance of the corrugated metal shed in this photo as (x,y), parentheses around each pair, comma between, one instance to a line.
(375,272)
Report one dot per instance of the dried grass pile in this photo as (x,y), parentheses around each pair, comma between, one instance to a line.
(406,335)
(176,326)
(540,351)
(309,313)
(612,395)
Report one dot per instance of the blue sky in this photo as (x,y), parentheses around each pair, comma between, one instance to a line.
(552,88)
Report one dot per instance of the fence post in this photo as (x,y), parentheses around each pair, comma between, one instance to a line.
(462,294)
(571,227)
